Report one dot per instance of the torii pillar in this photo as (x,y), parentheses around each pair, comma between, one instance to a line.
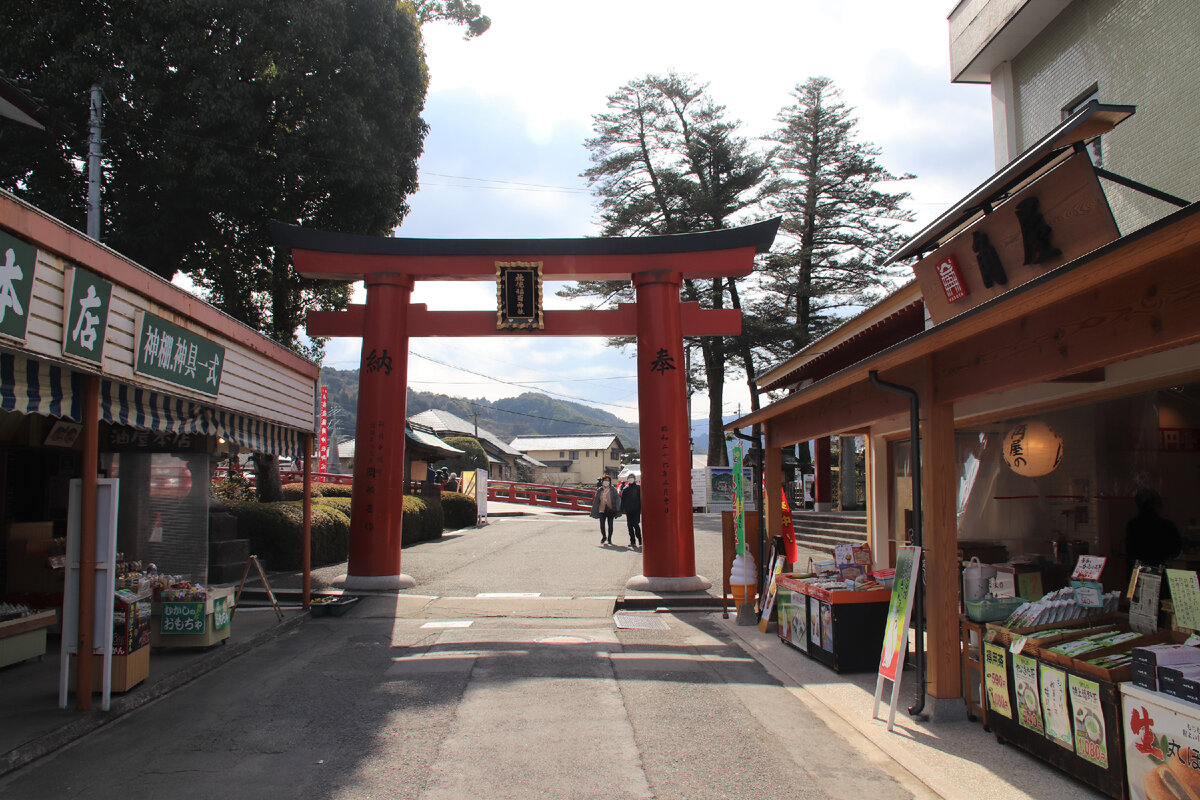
(657,266)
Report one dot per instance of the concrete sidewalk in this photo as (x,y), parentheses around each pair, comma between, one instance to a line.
(32,725)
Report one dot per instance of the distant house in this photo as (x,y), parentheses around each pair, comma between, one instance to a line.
(573,459)
(504,462)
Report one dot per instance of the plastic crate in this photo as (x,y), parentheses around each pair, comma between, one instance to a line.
(993,609)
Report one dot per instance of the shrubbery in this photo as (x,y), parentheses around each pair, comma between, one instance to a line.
(459,510)
(422,519)
(342,504)
(336,489)
(295,491)
(234,488)
(275,531)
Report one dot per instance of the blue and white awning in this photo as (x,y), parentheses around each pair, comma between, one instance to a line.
(35,387)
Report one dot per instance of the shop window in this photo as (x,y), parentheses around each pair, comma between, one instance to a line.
(574,455)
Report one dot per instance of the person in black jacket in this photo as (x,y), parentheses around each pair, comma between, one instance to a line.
(631,507)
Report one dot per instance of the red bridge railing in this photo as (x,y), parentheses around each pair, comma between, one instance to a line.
(534,494)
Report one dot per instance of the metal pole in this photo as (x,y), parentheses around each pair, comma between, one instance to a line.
(94,155)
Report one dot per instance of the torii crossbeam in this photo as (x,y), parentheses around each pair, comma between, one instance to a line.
(657,266)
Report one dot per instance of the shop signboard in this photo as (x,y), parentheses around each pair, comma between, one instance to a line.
(1162,744)
(18,261)
(176,355)
(720,489)
(995,677)
(181,617)
(1059,217)
(1143,611)
(1056,716)
(1091,739)
(323,453)
(1025,687)
(220,613)
(895,633)
(85,315)
(814,622)
(739,495)
(519,295)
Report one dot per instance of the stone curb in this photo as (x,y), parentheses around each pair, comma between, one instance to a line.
(120,706)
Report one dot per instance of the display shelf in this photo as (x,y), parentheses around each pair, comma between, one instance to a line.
(25,637)
(841,629)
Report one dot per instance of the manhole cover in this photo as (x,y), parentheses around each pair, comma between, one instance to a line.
(563,640)
(644,622)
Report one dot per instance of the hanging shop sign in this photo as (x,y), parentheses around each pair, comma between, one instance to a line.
(1054,220)
(519,296)
(17,263)
(125,439)
(85,315)
(323,453)
(176,355)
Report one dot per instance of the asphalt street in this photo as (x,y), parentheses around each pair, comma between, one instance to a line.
(503,674)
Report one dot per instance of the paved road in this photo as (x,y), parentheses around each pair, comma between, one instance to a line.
(437,693)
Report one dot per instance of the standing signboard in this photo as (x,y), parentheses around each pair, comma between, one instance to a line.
(895,635)
(105,557)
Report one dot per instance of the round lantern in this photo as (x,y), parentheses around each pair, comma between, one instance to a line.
(1032,449)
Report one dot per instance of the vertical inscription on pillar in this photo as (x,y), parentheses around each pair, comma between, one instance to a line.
(664,437)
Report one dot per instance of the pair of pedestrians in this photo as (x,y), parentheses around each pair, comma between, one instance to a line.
(608,503)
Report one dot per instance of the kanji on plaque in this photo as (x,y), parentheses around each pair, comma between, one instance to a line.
(174,354)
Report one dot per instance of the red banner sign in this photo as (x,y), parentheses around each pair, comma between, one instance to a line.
(323,453)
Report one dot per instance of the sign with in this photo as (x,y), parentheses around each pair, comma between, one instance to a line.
(1025,686)
(739,495)
(1057,218)
(519,295)
(1185,594)
(1088,568)
(176,355)
(323,453)
(895,634)
(17,263)
(63,434)
(220,613)
(1089,594)
(121,438)
(995,678)
(1162,744)
(1091,740)
(182,618)
(1056,716)
(85,315)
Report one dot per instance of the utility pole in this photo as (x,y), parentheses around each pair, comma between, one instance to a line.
(475,414)
(94,154)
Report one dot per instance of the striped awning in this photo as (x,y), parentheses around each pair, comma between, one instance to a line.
(30,386)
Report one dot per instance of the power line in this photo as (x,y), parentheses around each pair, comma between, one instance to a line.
(622,425)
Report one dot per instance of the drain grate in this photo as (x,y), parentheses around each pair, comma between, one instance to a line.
(645,622)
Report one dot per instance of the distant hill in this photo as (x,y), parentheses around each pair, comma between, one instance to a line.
(525,415)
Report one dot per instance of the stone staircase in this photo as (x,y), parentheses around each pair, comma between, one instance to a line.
(825,530)
(227,554)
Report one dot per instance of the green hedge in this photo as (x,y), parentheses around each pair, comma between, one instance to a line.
(460,510)
(335,489)
(342,504)
(295,491)
(275,531)
(422,519)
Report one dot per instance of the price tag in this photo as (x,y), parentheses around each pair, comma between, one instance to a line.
(1185,594)
(1087,593)
(1088,568)
(1018,644)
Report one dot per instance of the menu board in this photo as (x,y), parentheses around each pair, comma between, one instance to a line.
(1056,716)
(1025,686)
(1143,612)
(995,677)
(1185,594)
(1091,742)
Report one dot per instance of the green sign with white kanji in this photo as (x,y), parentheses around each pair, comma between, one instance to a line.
(182,618)
(85,315)
(17,262)
(177,355)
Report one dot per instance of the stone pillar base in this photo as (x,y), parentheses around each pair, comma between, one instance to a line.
(823,507)
(375,583)
(696,583)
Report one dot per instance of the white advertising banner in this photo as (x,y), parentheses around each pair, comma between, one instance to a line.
(1162,744)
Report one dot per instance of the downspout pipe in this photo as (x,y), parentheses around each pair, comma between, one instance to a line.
(914,413)
(756,475)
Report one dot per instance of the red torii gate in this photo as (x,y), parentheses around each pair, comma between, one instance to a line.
(657,265)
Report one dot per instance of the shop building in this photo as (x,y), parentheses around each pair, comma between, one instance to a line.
(1093,334)
(572,459)
(101,360)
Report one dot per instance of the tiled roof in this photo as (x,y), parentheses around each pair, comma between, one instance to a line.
(443,423)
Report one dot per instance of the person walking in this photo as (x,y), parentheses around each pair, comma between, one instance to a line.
(605,506)
(631,507)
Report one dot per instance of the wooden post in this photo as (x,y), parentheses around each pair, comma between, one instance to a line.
(773,487)
(939,514)
(823,476)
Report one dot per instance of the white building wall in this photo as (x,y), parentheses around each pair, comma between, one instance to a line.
(1137,52)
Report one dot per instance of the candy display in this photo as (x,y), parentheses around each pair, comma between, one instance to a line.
(1058,606)
(14,611)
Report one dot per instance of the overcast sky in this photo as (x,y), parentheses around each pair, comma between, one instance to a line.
(509,112)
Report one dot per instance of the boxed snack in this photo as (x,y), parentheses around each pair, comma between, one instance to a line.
(1166,655)
(1181,682)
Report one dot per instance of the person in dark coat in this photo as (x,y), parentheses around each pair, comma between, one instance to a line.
(631,507)
(1149,538)
(605,507)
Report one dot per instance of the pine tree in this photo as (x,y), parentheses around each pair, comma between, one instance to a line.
(838,225)
(665,160)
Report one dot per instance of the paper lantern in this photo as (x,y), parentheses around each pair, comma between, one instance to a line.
(1032,449)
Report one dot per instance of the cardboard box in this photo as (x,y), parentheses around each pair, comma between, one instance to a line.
(127,671)
(1180,682)
(1166,655)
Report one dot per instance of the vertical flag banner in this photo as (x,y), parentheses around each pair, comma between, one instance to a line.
(739,495)
(323,454)
(789,530)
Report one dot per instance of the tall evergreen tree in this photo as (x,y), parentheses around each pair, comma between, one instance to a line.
(666,160)
(838,223)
